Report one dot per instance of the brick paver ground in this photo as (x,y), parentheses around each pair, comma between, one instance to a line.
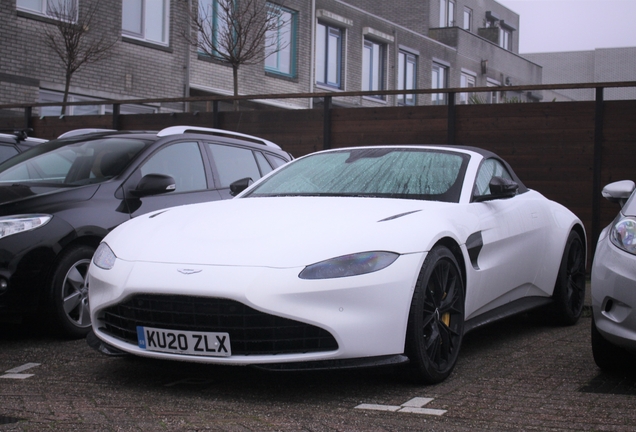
(519,374)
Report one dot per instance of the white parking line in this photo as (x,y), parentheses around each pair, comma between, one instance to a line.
(413,406)
(16,376)
(375,407)
(15,372)
(22,368)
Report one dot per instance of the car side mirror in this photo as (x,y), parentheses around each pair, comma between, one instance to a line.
(240,185)
(619,192)
(500,188)
(154,184)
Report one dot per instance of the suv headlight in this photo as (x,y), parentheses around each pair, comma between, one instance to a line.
(20,223)
(623,234)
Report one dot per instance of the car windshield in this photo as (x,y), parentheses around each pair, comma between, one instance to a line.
(371,172)
(74,164)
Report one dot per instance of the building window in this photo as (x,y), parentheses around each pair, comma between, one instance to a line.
(328,55)
(446,13)
(407,73)
(58,9)
(373,66)
(146,20)
(468,19)
(280,41)
(493,96)
(466,81)
(505,39)
(214,18)
(439,80)
(47,96)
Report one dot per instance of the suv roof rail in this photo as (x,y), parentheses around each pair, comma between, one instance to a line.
(20,134)
(175,130)
(77,132)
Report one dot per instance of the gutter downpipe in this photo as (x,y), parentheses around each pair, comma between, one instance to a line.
(186,84)
(597,169)
(312,52)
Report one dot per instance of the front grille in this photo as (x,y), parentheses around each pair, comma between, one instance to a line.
(251,332)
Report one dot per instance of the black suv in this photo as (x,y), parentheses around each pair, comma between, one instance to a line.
(60,198)
(14,142)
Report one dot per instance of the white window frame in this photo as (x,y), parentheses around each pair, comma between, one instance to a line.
(439,80)
(467,80)
(505,38)
(447,13)
(493,96)
(43,7)
(148,21)
(468,19)
(407,77)
(374,66)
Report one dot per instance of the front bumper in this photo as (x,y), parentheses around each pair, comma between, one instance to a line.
(366,315)
(25,261)
(613,293)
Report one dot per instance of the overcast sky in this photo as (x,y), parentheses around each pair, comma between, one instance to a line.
(574,25)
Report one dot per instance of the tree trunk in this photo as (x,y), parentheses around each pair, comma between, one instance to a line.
(67,86)
(235,77)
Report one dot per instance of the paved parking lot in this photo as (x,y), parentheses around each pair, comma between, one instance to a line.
(519,374)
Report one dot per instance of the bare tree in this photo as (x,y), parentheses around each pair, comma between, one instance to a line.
(74,39)
(238,32)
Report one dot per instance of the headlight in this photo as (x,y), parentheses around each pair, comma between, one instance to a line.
(104,257)
(349,265)
(20,223)
(623,234)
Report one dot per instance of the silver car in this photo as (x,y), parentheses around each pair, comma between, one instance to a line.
(614,282)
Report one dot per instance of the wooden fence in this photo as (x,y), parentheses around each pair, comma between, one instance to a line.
(565,150)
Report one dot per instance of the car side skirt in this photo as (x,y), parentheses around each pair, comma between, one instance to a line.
(505,311)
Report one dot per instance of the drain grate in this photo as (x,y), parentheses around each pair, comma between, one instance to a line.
(616,384)
(8,420)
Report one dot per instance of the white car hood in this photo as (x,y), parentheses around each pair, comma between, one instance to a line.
(279,232)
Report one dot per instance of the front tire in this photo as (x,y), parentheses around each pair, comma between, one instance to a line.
(569,291)
(436,319)
(69,292)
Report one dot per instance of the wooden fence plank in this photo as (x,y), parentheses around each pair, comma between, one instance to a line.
(549,145)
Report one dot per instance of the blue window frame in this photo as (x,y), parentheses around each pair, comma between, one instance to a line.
(280,41)
(213,17)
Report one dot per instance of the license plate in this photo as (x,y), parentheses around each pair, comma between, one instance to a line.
(209,344)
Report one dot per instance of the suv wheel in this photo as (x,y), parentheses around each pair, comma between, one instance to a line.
(69,292)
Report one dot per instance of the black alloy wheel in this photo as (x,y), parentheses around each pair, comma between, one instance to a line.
(436,319)
(569,291)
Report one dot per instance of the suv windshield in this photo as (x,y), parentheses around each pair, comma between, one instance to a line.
(74,164)
(382,172)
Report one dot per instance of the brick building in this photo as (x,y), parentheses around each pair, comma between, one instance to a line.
(334,45)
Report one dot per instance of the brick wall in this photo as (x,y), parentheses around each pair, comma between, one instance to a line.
(142,70)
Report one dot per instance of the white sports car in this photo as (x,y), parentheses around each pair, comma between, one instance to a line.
(350,257)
